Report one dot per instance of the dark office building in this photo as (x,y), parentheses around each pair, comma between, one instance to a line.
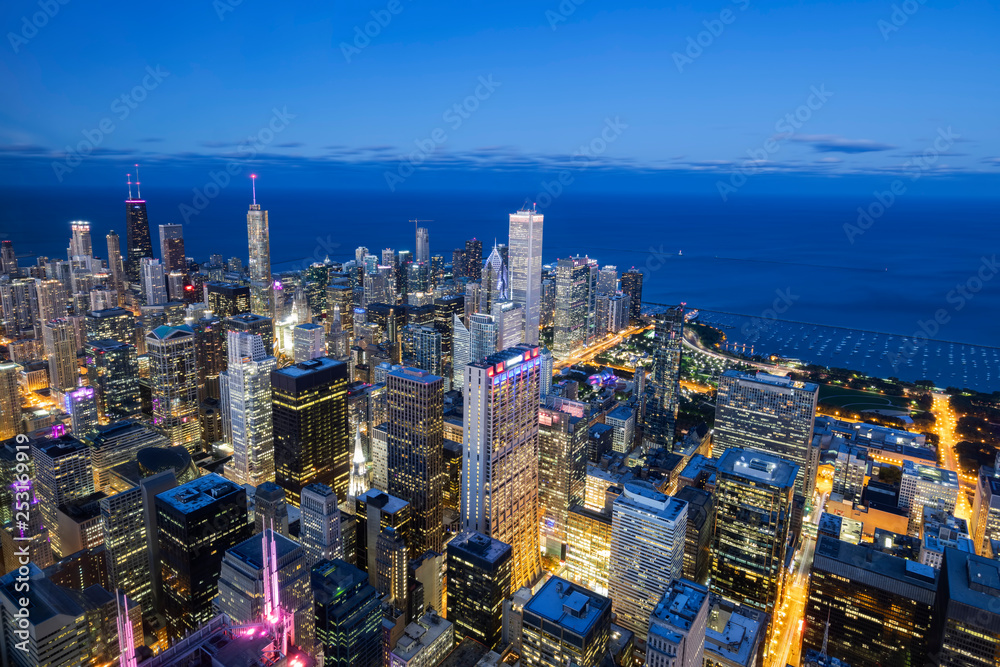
(113,371)
(375,511)
(227,299)
(210,354)
(137,240)
(479,575)
(698,539)
(348,615)
(632,285)
(663,390)
(967,614)
(867,607)
(473,258)
(196,523)
(311,429)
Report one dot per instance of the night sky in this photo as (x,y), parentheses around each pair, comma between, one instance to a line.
(820,88)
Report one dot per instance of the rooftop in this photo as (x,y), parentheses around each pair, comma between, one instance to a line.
(733,632)
(644,494)
(772,380)
(973,581)
(759,467)
(421,634)
(572,607)
(385,502)
(199,493)
(621,413)
(681,603)
(487,548)
(868,567)
(251,551)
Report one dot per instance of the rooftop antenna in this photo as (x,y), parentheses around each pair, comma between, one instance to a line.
(129,178)
(138,190)
(253,180)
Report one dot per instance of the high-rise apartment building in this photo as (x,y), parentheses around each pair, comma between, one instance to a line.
(196,523)
(588,551)
(416,454)
(500,458)
(632,285)
(59,340)
(525,263)
(245,386)
(647,551)
(565,624)
(663,391)
(423,247)
(172,247)
(311,428)
(173,379)
(116,267)
(110,324)
(769,413)
(319,524)
(81,403)
(480,570)
(154,281)
(753,501)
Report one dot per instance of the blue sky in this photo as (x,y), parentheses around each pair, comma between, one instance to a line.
(538,86)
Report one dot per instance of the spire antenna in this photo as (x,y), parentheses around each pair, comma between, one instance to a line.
(129,179)
(138,190)
(253,181)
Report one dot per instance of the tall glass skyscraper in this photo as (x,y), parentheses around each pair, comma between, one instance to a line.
(246,409)
(173,378)
(663,392)
(261,295)
(525,266)
(137,239)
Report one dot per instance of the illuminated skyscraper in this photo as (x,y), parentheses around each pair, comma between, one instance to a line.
(320,524)
(647,552)
(473,258)
(63,473)
(461,351)
(480,569)
(80,244)
(261,294)
(416,454)
(573,283)
(562,468)
(137,237)
(309,342)
(255,324)
(772,414)
(663,391)
(565,624)
(154,281)
(8,260)
(81,403)
(10,400)
(348,615)
(494,282)
(985,525)
(632,285)
(966,615)
(116,266)
(172,248)
(246,409)
(173,379)
(196,523)
(115,324)
(60,351)
(753,501)
(500,465)
(311,428)
(525,263)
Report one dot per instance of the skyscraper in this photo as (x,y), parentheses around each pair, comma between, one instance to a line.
(753,502)
(173,379)
(677,626)
(138,242)
(196,523)
(500,464)
(494,282)
(8,259)
(985,525)
(80,244)
(115,324)
(632,285)
(348,615)
(255,324)
(311,428)
(320,524)
(773,414)
(461,351)
(390,575)
(572,301)
(154,281)
(416,454)
(565,624)
(966,615)
(663,391)
(473,259)
(245,386)
(116,266)
(309,342)
(63,473)
(10,400)
(81,403)
(647,552)
(423,247)
(172,248)
(261,294)
(60,351)
(480,570)
(526,268)
(562,468)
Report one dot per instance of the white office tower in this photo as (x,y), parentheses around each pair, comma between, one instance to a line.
(246,409)
(423,245)
(482,336)
(261,294)
(500,455)
(509,321)
(525,266)
(79,244)
(154,282)
(59,342)
(461,351)
(320,523)
(309,342)
(677,627)
(648,530)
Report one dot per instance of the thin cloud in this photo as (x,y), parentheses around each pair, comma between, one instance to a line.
(832,143)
